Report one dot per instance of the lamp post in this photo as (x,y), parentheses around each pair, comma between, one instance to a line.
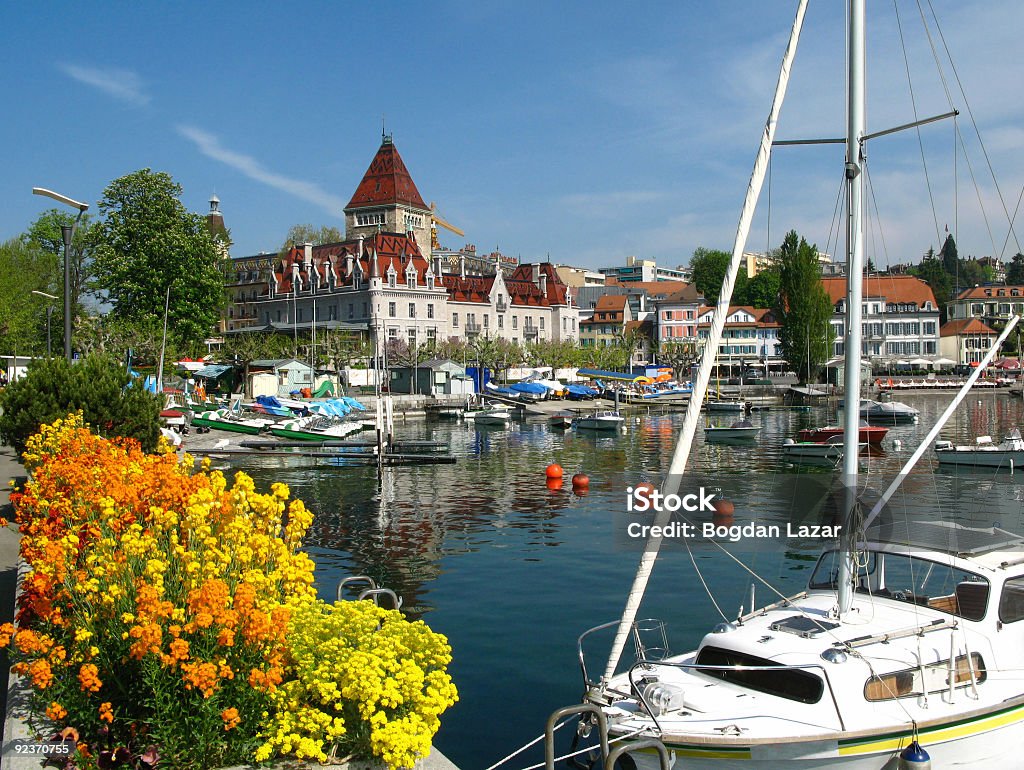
(49,314)
(68,235)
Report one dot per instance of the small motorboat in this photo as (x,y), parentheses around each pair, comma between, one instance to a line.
(498,414)
(726,406)
(869,434)
(740,430)
(561,421)
(887,412)
(1009,453)
(610,421)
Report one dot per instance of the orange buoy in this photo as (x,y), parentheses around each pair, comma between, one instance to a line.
(724,510)
(553,471)
(724,507)
(554,484)
(581,480)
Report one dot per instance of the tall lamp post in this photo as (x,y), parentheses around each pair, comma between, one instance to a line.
(68,235)
(49,314)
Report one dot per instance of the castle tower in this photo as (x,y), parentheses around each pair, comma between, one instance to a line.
(387,198)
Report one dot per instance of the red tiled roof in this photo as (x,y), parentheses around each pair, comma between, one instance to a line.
(386,182)
(391,249)
(558,292)
(891,288)
(966,326)
(763,317)
(978,292)
(468,289)
(610,303)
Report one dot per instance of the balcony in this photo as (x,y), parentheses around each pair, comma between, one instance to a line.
(501,306)
(529,331)
(472,327)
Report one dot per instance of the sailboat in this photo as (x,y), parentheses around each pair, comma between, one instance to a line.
(907,642)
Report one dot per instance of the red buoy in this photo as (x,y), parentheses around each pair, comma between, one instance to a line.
(581,480)
(724,507)
(553,471)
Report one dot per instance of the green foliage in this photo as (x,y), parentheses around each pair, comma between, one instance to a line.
(300,234)
(709,267)
(803,308)
(948,255)
(679,355)
(25,268)
(113,402)
(147,243)
(933,272)
(760,291)
(45,233)
(1015,270)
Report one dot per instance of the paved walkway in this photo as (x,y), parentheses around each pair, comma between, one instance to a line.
(10,468)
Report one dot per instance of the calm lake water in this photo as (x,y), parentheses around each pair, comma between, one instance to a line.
(513,572)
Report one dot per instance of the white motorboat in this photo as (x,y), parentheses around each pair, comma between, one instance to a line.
(499,414)
(1007,454)
(611,421)
(743,430)
(726,406)
(908,640)
(888,412)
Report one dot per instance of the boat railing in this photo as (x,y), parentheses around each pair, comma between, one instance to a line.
(647,665)
(645,650)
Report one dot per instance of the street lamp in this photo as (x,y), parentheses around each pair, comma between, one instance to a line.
(68,234)
(49,314)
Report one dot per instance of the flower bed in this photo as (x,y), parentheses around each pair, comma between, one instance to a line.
(170,618)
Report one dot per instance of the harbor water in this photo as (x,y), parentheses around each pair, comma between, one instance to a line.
(512,571)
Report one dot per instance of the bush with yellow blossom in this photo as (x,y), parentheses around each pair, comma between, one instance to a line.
(173,616)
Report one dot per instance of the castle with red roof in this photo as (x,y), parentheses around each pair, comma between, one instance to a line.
(385,282)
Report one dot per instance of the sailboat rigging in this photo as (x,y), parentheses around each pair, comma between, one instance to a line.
(908,633)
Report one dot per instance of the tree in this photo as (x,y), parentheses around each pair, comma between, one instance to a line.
(45,233)
(709,267)
(300,234)
(948,255)
(679,355)
(245,347)
(762,290)
(112,401)
(25,268)
(148,243)
(933,272)
(1015,271)
(803,308)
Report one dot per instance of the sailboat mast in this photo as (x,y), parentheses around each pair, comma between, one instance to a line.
(707,362)
(855,130)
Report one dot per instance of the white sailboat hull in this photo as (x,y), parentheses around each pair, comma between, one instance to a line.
(999,747)
(981,458)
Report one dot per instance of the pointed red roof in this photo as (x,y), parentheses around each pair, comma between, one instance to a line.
(386,182)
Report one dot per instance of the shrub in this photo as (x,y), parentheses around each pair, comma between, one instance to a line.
(171,618)
(111,400)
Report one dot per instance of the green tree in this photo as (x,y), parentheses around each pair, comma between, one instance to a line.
(148,243)
(300,234)
(761,291)
(803,308)
(46,234)
(1015,270)
(243,348)
(112,401)
(948,255)
(709,267)
(933,272)
(25,268)
(679,355)
(974,274)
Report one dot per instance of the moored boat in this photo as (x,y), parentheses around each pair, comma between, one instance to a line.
(499,414)
(1007,454)
(740,430)
(867,434)
(726,406)
(227,420)
(608,420)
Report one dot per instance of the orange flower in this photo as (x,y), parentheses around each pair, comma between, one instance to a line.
(200,676)
(42,675)
(56,712)
(6,632)
(231,718)
(106,712)
(89,677)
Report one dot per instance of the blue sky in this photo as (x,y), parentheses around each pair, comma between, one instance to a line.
(584,131)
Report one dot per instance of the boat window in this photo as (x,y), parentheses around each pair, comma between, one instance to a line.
(919,581)
(1011,601)
(790,683)
(908,682)
(826,573)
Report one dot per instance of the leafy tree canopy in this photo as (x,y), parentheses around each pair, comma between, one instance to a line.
(148,243)
(25,268)
(933,272)
(1015,270)
(709,267)
(760,291)
(803,308)
(299,234)
(45,233)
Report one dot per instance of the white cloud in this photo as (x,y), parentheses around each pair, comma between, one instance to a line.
(210,146)
(123,85)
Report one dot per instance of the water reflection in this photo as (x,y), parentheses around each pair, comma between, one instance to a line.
(512,570)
